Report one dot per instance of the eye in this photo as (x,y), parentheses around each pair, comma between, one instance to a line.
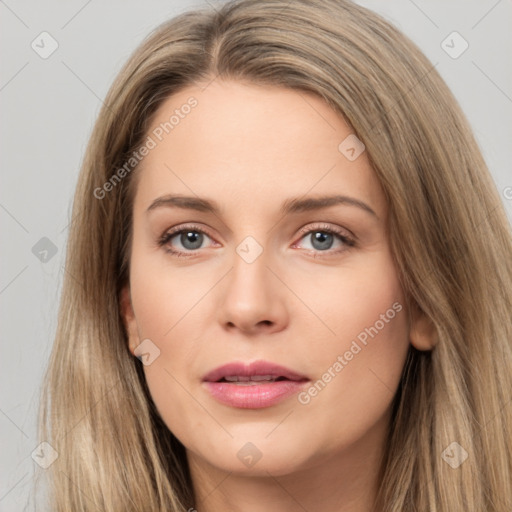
(324,238)
(183,240)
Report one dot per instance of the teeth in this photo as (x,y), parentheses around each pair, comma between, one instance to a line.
(262,377)
(254,378)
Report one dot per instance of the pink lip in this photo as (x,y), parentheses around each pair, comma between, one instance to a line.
(253,396)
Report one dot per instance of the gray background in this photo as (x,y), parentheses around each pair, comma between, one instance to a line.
(47,110)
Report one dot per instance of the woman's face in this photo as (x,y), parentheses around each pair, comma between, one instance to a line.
(259,235)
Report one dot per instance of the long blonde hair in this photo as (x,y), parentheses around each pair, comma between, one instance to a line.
(448,232)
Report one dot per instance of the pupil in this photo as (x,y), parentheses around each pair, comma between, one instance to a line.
(191,240)
(322,240)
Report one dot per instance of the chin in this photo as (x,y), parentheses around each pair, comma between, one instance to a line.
(256,456)
(269,463)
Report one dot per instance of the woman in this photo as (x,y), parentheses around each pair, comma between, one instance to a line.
(291,279)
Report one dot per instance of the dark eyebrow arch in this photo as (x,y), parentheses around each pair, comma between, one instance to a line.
(316,203)
(185,202)
(294,205)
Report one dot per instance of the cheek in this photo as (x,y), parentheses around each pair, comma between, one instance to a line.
(360,365)
(170,312)
(165,297)
(170,322)
(170,316)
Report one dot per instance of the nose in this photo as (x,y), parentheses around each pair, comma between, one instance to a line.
(251,299)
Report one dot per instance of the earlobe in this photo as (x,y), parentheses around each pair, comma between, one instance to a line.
(422,331)
(129,320)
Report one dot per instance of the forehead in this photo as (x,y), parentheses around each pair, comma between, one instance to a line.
(251,144)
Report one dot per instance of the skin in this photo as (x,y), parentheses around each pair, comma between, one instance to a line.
(249,148)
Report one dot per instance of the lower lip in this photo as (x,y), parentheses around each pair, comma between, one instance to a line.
(254,396)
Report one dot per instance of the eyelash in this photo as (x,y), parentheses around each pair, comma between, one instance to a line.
(169,235)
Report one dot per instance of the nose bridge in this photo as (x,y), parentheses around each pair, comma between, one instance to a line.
(249,277)
(250,295)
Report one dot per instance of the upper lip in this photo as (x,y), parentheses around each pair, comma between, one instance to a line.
(253,369)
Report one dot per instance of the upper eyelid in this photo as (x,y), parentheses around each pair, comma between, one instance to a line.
(192,227)
(324,227)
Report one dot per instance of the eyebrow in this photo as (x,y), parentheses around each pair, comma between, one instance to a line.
(293,205)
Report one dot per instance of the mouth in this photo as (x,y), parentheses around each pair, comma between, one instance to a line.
(252,380)
(253,386)
(250,373)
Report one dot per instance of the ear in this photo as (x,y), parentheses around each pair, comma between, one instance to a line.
(129,320)
(422,331)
